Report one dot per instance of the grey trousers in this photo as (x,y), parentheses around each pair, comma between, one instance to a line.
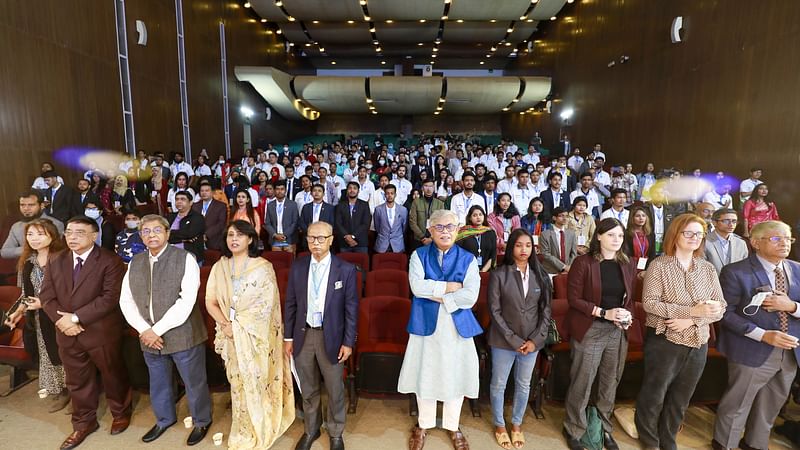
(597,365)
(671,373)
(753,400)
(313,364)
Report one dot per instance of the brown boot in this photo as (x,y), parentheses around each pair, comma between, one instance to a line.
(459,441)
(417,440)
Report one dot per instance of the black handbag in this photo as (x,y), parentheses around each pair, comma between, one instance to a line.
(553,336)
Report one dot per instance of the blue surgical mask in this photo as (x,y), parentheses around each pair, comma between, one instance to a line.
(92,213)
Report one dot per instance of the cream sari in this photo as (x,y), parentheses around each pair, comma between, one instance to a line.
(258,370)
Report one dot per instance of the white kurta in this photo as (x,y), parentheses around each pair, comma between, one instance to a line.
(444,365)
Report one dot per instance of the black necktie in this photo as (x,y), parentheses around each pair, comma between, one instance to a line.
(77,270)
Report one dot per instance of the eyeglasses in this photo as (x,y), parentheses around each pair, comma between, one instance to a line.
(449,227)
(76,233)
(148,231)
(780,239)
(693,234)
(728,221)
(317,239)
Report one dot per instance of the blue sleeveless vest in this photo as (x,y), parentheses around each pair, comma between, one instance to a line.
(425,312)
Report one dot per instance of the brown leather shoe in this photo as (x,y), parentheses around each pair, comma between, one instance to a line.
(118,425)
(76,438)
(417,440)
(459,441)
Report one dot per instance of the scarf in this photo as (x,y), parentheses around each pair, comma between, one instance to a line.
(468,231)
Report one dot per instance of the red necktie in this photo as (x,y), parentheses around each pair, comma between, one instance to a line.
(563,247)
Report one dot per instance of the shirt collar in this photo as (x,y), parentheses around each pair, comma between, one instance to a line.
(768,266)
(325,261)
(82,256)
(158,255)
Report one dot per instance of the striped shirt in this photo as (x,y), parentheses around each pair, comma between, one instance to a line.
(670,292)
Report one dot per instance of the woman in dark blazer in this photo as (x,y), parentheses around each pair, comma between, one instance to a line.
(640,240)
(519,302)
(600,294)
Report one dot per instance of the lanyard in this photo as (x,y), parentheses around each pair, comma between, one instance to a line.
(478,238)
(316,279)
(642,244)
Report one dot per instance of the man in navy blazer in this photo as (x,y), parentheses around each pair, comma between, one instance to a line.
(352,219)
(554,197)
(490,194)
(760,342)
(320,319)
(390,220)
(317,210)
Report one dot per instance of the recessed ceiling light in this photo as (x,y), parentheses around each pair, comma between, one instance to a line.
(515,100)
(432,62)
(494,48)
(422,20)
(375,42)
(246,4)
(438,40)
(493,21)
(529,20)
(435,49)
(389,21)
(322,49)
(371,29)
(444,17)
(436,113)
(378,49)
(351,22)
(263,20)
(362,2)
(333,62)
(570,1)
(279,3)
(374,112)
(481,63)
(553,18)
(291,19)
(508,44)
(438,108)
(279,31)
(523,17)
(447,2)
(534,1)
(315,21)
(460,20)
(367,19)
(383,62)
(420,44)
(268,32)
(488,55)
(505,109)
(308,44)
(291,44)
(509,30)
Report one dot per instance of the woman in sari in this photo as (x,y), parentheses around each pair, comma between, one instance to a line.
(242,297)
(478,238)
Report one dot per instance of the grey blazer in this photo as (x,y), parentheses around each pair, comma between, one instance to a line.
(291,220)
(714,254)
(387,234)
(548,244)
(516,319)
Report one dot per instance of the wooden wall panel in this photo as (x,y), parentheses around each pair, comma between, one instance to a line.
(725,99)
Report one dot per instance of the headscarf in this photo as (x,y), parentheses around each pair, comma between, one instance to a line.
(120,185)
(468,231)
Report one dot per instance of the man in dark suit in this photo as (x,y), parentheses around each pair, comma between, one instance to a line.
(82,194)
(321,314)
(317,210)
(421,166)
(281,221)
(352,221)
(80,293)
(489,193)
(292,183)
(60,198)
(390,223)
(760,342)
(554,197)
(215,217)
(187,227)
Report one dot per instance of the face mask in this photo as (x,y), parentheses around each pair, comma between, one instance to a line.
(92,213)
(132,224)
(382,161)
(368,166)
(285,147)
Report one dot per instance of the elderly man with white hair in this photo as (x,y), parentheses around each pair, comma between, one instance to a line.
(440,362)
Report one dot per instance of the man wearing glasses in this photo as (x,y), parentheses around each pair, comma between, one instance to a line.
(320,320)
(440,362)
(723,247)
(80,294)
(759,339)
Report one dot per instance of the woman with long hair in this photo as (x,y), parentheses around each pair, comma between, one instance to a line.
(519,302)
(758,209)
(100,188)
(122,195)
(251,340)
(640,239)
(600,294)
(536,219)
(503,220)
(42,241)
(181,184)
(682,298)
(478,238)
(242,209)
(582,223)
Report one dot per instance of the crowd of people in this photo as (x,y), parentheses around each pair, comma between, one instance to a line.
(143,227)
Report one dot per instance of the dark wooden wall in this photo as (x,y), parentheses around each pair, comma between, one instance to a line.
(59,81)
(724,99)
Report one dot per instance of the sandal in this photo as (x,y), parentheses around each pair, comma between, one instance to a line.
(518,438)
(503,440)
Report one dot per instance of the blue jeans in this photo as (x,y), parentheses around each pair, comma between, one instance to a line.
(191,365)
(502,361)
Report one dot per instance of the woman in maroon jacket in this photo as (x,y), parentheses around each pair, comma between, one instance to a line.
(600,293)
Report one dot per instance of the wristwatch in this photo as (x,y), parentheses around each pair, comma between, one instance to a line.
(75,319)
(602,313)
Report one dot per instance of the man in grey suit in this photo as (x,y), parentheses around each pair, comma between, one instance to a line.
(723,247)
(558,245)
(390,223)
(282,218)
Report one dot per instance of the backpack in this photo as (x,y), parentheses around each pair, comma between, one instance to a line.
(593,438)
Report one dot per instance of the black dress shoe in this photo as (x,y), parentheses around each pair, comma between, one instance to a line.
(155,432)
(572,443)
(197,434)
(305,441)
(337,443)
(743,446)
(716,445)
(608,441)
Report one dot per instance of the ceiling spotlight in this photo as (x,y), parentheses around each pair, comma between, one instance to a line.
(375,42)
(553,18)
(362,2)
(378,49)
(432,62)
(389,21)
(333,63)
(438,40)
(278,31)
(509,30)
(383,62)
(570,1)
(494,48)
(529,20)
(447,2)
(263,20)
(444,17)
(567,113)
(247,112)
(523,17)
(436,113)
(534,1)
(521,113)
(369,100)
(291,44)
(367,19)
(505,109)
(291,19)
(322,49)
(493,21)
(460,20)
(481,63)
(515,100)
(315,21)
(371,29)
(442,100)
(279,3)
(246,4)
(374,112)
(351,22)
(308,44)
(435,49)
(420,44)
(508,44)
(488,55)
(433,55)
(438,108)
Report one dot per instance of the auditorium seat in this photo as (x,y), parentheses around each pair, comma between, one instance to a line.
(481,307)
(279,260)
(283,283)
(8,271)
(397,261)
(302,254)
(381,344)
(387,282)
(560,285)
(211,257)
(483,315)
(359,259)
(12,349)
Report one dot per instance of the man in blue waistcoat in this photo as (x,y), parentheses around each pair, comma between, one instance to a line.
(440,362)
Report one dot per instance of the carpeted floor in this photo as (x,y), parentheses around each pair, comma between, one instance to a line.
(379,424)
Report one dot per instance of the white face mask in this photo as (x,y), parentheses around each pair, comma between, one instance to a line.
(132,224)
(285,147)
(92,213)
(382,161)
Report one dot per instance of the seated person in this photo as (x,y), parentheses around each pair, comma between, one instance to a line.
(129,241)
